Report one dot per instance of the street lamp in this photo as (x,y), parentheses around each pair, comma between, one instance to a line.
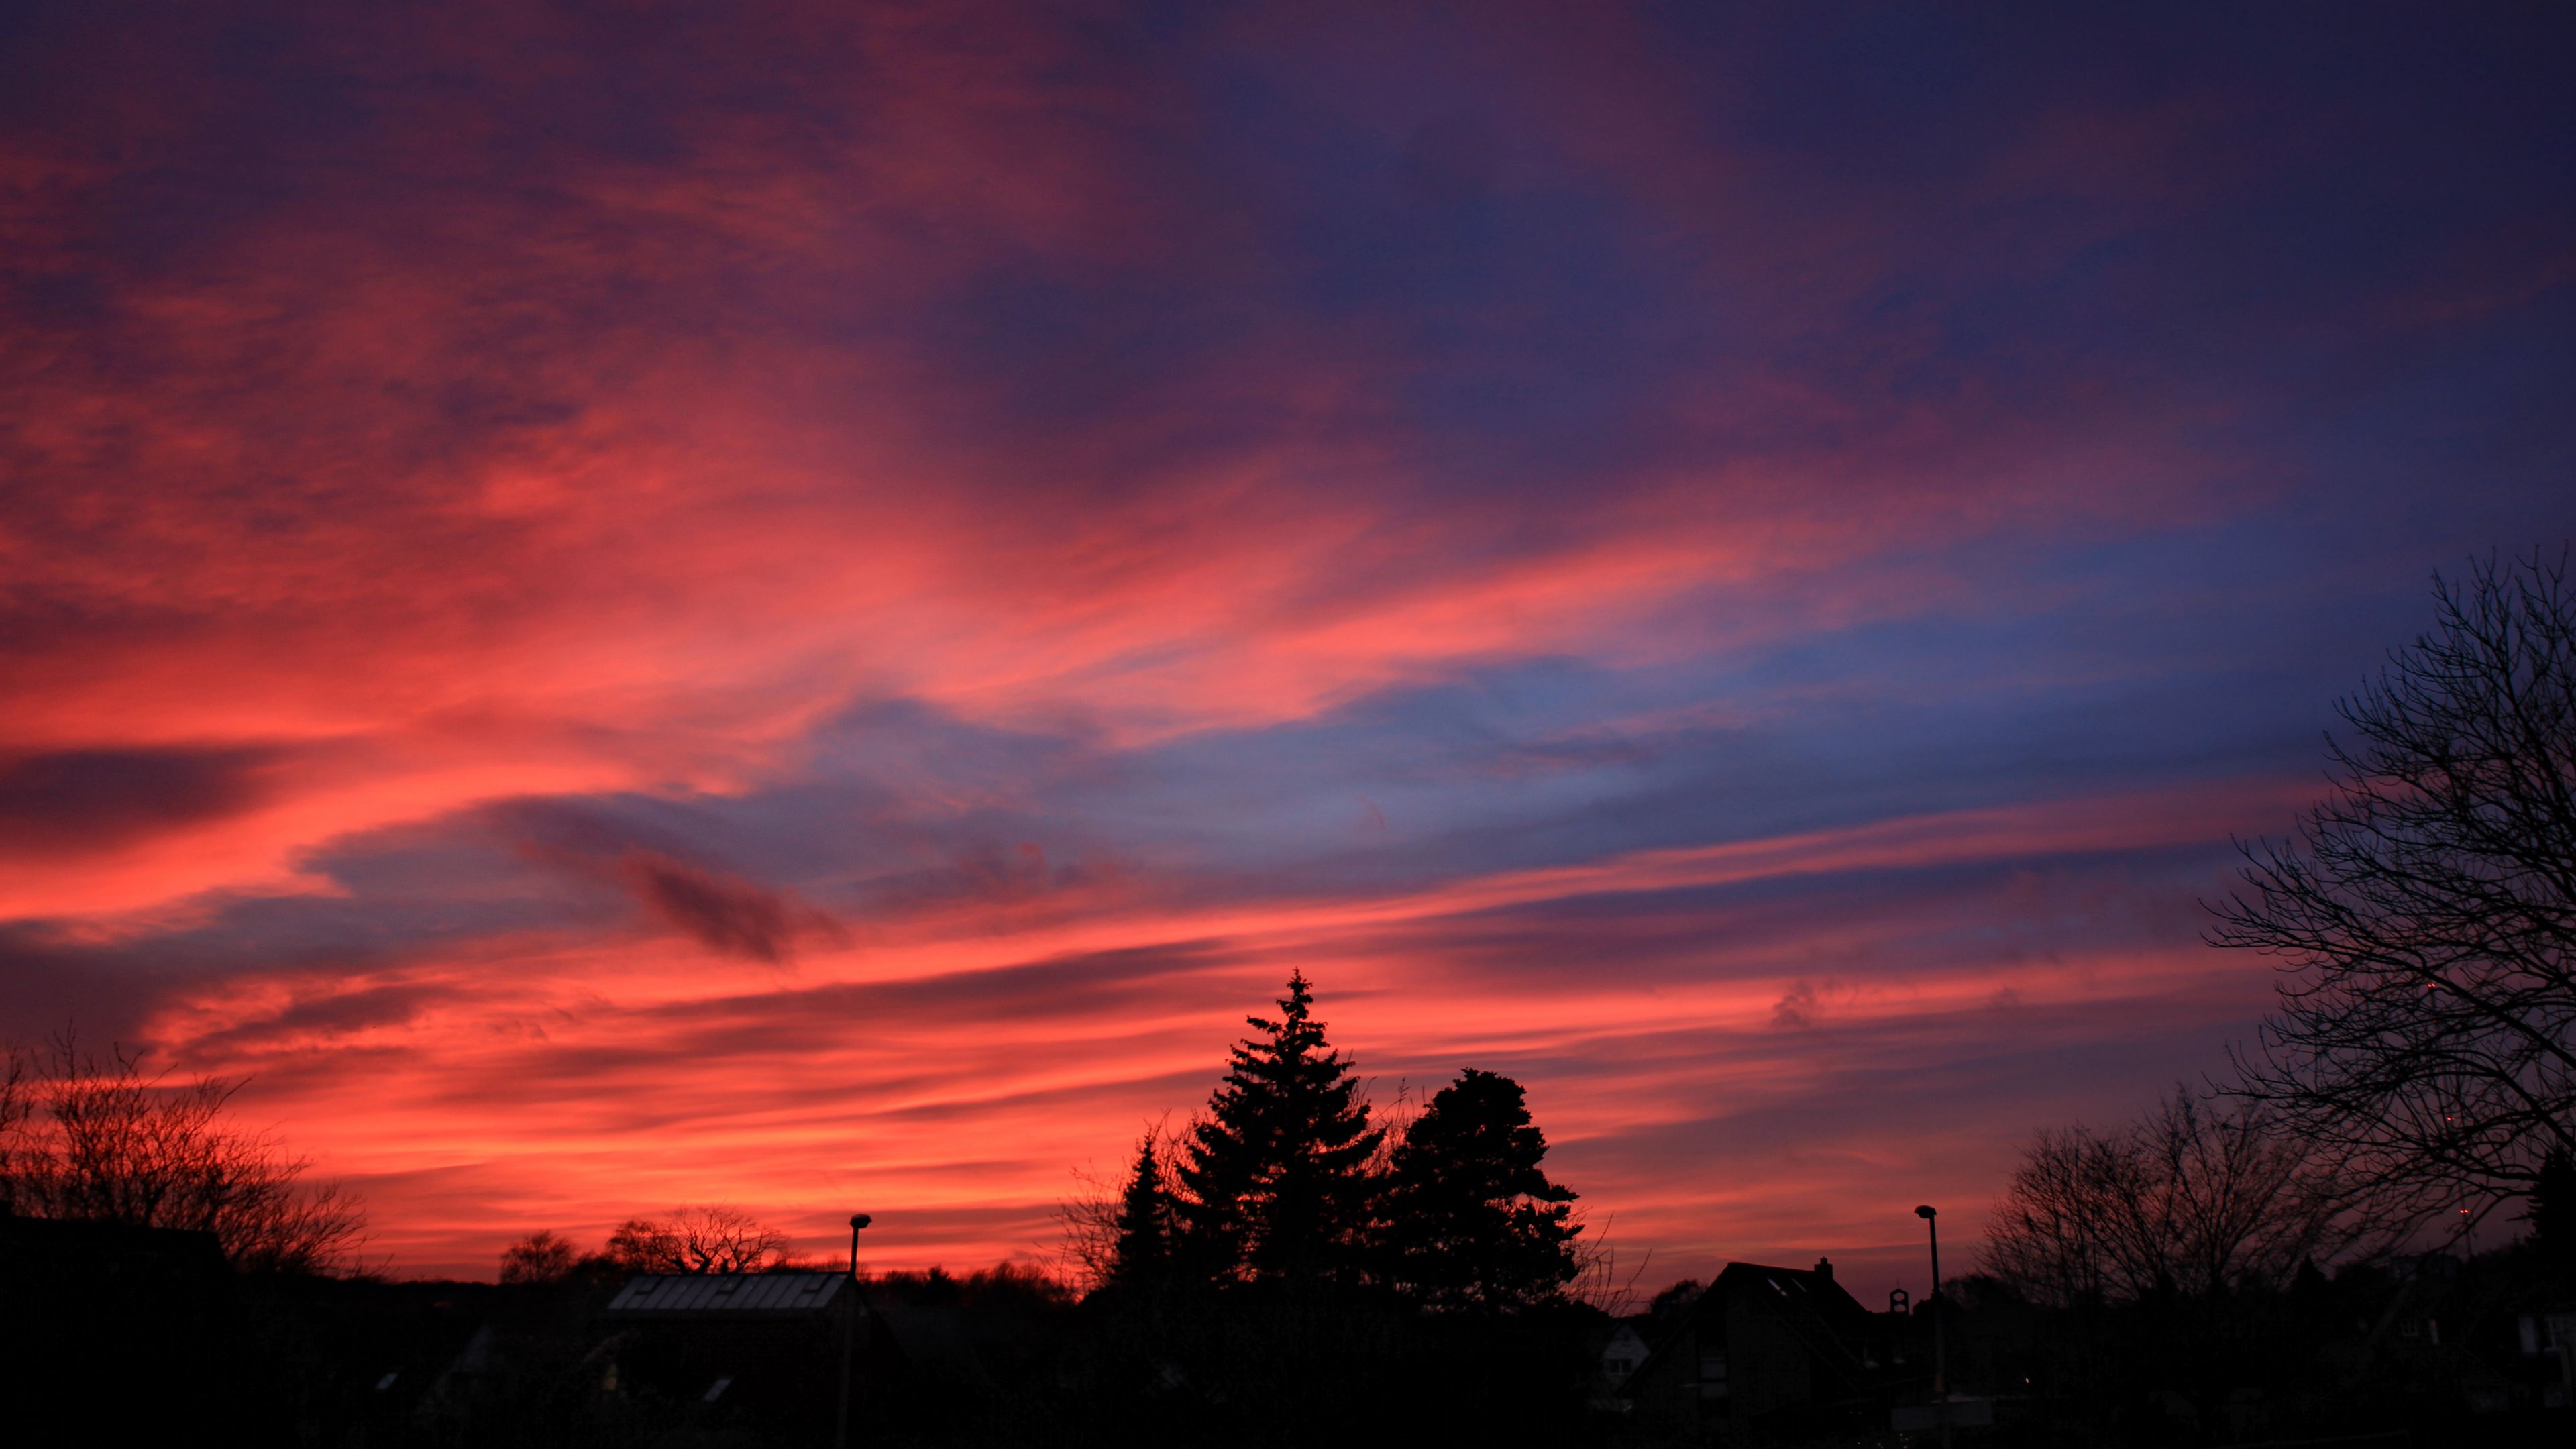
(849,1336)
(1940,1346)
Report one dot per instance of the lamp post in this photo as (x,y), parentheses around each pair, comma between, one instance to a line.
(849,1336)
(1940,1344)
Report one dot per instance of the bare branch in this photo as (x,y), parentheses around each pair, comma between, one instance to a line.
(2425,915)
(97,1138)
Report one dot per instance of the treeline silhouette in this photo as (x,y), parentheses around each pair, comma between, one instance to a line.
(688,1239)
(1291,1268)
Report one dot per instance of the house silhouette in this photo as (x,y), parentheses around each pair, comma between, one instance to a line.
(1773,1348)
(748,1351)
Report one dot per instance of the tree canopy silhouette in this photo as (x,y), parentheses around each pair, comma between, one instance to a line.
(1472,1220)
(544,1256)
(97,1138)
(1277,1177)
(2426,911)
(698,1240)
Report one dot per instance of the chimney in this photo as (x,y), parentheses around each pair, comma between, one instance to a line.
(1825,1269)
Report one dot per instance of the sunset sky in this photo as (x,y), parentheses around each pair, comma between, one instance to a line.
(803,607)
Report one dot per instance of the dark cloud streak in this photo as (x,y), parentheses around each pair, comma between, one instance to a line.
(728,915)
(99,799)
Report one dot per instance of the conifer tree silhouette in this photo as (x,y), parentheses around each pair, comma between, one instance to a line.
(1277,1177)
(1472,1221)
(1147,1225)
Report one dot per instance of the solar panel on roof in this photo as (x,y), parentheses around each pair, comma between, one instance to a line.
(663,1295)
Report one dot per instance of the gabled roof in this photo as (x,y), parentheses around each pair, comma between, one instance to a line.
(729,1295)
(1802,1292)
(1818,1311)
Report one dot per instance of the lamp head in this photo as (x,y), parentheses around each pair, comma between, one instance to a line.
(1924,1212)
(859,1220)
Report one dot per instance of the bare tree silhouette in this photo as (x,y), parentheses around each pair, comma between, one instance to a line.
(97,1138)
(2426,912)
(2188,1199)
(707,1239)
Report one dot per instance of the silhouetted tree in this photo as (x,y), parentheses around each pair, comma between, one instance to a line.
(698,1240)
(2187,1200)
(2427,910)
(543,1256)
(96,1138)
(1276,1178)
(1471,1219)
(1674,1300)
(1147,1226)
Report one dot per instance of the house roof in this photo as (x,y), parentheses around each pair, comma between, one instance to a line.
(1816,1310)
(1801,1291)
(729,1295)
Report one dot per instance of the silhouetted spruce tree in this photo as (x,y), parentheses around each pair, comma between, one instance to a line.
(1141,1260)
(1277,1177)
(1472,1220)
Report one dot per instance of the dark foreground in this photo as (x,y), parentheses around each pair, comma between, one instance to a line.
(135,1336)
